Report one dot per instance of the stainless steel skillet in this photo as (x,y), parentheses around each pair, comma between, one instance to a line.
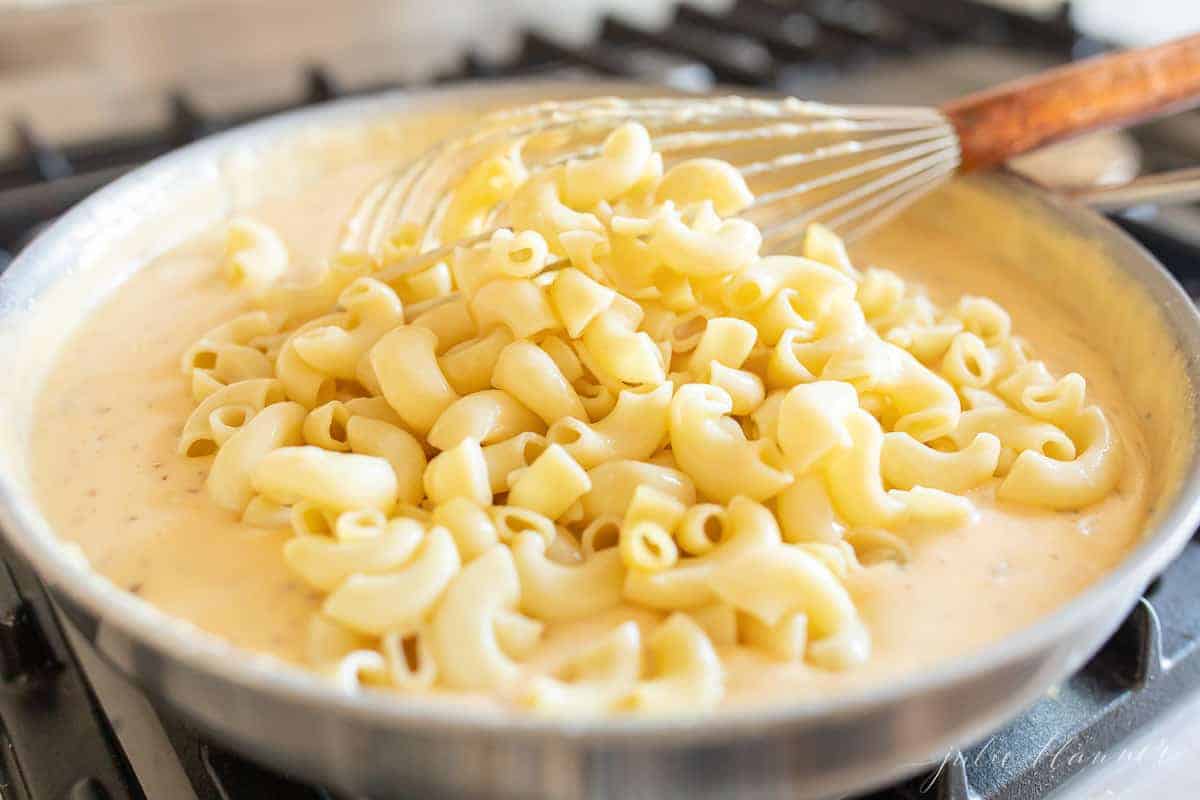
(384,745)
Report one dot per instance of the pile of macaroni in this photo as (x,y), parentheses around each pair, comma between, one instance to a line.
(616,402)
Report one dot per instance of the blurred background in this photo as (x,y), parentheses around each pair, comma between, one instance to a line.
(73,70)
(90,89)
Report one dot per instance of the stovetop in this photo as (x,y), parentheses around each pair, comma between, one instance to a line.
(71,728)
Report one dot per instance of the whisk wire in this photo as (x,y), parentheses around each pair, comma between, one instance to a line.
(885,199)
(937,147)
(876,160)
(859,193)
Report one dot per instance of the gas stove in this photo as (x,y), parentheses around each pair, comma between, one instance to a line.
(70,727)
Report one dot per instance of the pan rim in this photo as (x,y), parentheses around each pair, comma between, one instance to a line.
(172,638)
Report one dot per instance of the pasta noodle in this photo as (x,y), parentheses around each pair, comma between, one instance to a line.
(255,256)
(410,378)
(555,592)
(488,416)
(230,479)
(634,429)
(401,450)
(550,485)
(593,681)
(338,481)
(466,643)
(372,309)
(614,406)
(686,671)
(373,604)
(530,375)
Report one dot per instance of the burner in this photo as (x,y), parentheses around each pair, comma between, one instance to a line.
(72,728)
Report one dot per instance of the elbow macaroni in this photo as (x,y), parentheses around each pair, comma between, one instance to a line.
(409,377)
(255,256)
(613,403)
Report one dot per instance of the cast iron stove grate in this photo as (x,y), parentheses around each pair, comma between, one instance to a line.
(63,734)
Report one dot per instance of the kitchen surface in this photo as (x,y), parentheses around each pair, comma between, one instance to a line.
(91,89)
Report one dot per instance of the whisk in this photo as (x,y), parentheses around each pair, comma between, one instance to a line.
(848,167)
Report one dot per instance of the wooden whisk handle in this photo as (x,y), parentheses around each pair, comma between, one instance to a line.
(1102,92)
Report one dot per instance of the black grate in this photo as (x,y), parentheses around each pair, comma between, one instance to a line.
(54,741)
(57,741)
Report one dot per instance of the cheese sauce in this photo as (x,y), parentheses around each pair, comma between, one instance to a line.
(108,476)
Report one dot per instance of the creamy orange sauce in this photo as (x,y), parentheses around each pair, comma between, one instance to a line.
(108,477)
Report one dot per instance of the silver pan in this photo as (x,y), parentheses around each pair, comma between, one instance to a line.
(385,745)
